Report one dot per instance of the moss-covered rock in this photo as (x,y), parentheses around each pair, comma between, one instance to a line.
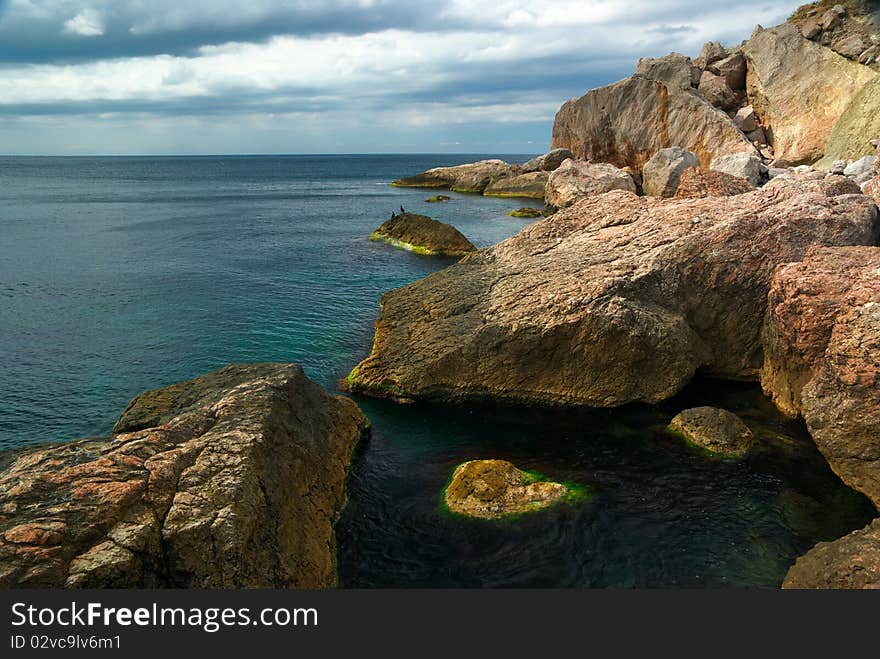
(526,212)
(490,489)
(437,198)
(718,431)
(423,235)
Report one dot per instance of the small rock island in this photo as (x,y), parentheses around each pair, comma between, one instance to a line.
(423,235)
(720,432)
(492,489)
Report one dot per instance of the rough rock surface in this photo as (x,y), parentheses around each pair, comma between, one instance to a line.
(853,561)
(822,338)
(741,165)
(576,179)
(715,430)
(470,177)
(422,234)
(674,69)
(849,27)
(490,489)
(529,185)
(232,480)
(662,173)
(799,90)
(548,162)
(860,122)
(617,299)
(698,183)
(626,123)
(715,89)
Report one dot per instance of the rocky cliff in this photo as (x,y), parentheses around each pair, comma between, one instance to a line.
(231,480)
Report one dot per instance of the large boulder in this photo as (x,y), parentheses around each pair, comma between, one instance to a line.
(699,183)
(628,122)
(662,173)
(718,431)
(742,165)
(732,70)
(548,162)
(576,179)
(471,177)
(799,90)
(489,489)
(674,69)
(715,89)
(619,298)
(423,235)
(232,480)
(530,185)
(822,338)
(860,122)
(851,562)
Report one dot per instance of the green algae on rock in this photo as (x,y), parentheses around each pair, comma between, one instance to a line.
(718,431)
(526,212)
(437,198)
(423,235)
(492,489)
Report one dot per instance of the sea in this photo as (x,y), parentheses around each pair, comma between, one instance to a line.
(121,274)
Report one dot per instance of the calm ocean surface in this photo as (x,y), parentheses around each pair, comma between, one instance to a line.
(124,274)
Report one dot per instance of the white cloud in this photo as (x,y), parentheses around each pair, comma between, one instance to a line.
(87,23)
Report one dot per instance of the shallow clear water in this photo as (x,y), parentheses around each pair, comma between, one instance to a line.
(123,274)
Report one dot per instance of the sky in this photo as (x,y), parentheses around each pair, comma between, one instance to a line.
(91,77)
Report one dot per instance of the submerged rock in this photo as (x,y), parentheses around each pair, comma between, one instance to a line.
(490,489)
(822,338)
(470,177)
(576,179)
(526,212)
(530,186)
(617,299)
(715,430)
(423,235)
(231,480)
(437,198)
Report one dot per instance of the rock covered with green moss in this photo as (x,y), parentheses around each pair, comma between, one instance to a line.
(490,489)
(423,235)
(526,212)
(718,431)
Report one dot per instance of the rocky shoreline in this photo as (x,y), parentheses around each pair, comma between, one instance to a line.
(705,217)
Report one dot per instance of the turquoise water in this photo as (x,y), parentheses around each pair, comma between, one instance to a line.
(124,274)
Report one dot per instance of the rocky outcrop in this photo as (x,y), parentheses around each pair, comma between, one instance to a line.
(699,183)
(526,212)
(674,69)
(799,89)
(548,162)
(530,186)
(822,337)
(490,489)
(232,480)
(626,123)
(718,431)
(470,177)
(662,173)
(859,123)
(848,30)
(850,562)
(437,198)
(617,299)
(423,235)
(576,179)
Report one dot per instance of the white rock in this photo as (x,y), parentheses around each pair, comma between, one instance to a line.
(662,173)
(838,167)
(744,165)
(860,166)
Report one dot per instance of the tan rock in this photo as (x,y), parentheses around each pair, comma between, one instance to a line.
(718,431)
(860,122)
(699,183)
(786,76)
(490,489)
(626,123)
(470,177)
(530,186)
(852,562)
(616,299)
(576,179)
(424,235)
